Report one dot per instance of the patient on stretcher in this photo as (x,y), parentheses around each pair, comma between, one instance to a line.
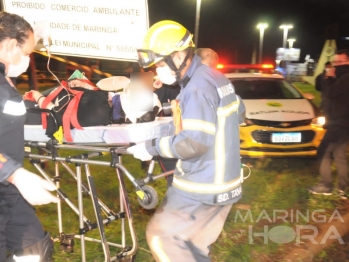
(78,103)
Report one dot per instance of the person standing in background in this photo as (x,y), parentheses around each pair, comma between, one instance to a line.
(335,142)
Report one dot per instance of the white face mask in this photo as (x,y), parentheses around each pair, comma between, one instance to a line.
(16,70)
(165,75)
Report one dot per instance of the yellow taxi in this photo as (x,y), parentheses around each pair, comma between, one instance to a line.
(280,120)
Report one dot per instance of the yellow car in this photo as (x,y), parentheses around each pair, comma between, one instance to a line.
(280,120)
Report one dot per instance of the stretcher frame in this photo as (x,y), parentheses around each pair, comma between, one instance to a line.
(147,196)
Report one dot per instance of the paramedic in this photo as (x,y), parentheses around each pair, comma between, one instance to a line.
(207,176)
(21,232)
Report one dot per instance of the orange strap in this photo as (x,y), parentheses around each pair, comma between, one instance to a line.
(177,116)
(70,115)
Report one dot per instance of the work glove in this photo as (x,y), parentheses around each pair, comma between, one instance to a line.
(33,188)
(139,151)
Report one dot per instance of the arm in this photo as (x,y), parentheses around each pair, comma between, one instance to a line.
(32,187)
(7,164)
(198,128)
(38,98)
(241,110)
(7,167)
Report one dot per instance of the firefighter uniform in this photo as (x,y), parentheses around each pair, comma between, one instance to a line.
(207,176)
(19,226)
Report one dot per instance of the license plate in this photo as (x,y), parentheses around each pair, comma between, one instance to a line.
(286,137)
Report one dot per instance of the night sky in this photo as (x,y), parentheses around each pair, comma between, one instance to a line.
(229,26)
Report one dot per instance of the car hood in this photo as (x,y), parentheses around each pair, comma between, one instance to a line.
(279,110)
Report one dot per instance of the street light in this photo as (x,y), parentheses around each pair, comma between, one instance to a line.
(197,22)
(285,28)
(290,42)
(261,28)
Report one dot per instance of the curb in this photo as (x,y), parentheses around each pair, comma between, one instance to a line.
(307,254)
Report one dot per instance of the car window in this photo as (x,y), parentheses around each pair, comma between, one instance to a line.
(265,89)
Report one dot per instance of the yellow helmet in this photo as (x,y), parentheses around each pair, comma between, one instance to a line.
(161,40)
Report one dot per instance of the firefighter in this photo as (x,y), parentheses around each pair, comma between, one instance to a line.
(21,232)
(206,143)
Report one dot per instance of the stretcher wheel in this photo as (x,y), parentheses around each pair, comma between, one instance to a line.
(150,199)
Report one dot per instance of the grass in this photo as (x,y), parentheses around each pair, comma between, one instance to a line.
(308,88)
(275,184)
(107,190)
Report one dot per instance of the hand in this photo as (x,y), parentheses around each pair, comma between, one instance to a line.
(33,188)
(157,84)
(330,72)
(32,95)
(139,151)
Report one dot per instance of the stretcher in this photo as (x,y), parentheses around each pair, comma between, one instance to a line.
(112,134)
(111,142)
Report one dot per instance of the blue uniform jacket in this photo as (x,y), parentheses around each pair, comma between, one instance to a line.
(208,147)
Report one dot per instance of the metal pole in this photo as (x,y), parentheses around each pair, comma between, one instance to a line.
(32,78)
(197,23)
(285,37)
(261,36)
(81,213)
(290,43)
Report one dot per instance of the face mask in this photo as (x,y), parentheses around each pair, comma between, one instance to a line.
(165,75)
(16,70)
(341,70)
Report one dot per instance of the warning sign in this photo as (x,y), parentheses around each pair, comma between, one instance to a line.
(88,28)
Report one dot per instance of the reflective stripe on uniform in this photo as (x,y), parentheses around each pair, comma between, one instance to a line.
(156,246)
(165,147)
(199,125)
(29,258)
(220,151)
(14,108)
(206,188)
(179,167)
(228,109)
(222,114)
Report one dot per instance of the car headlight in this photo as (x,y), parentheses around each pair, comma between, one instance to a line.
(247,122)
(319,121)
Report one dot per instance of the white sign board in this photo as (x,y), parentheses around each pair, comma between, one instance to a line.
(107,29)
(288,54)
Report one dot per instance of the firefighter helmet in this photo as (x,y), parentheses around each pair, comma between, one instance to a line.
(161,40)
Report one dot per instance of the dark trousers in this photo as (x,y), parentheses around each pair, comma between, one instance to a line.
(19,225)
(334,147)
